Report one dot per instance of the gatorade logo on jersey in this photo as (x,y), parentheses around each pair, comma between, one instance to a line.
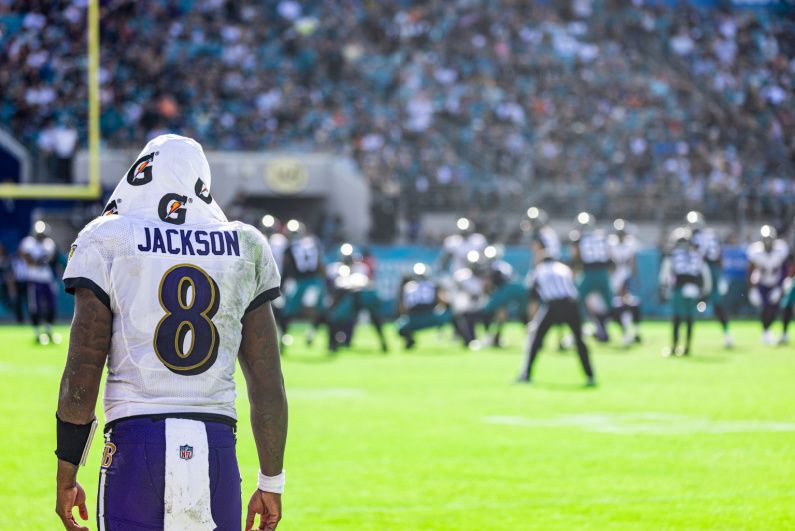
(111,209)
(202,192)
(172,208)
(141,172)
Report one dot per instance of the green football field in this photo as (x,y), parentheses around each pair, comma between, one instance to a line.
(439,437)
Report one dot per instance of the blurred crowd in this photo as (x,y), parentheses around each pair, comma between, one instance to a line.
(619,108)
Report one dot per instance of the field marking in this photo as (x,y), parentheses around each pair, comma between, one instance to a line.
(329,392)
(529,504)
(649,423)
(21,368)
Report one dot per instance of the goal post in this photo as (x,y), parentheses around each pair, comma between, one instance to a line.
(92,189)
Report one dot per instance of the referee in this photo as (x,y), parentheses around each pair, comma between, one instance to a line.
(552,284)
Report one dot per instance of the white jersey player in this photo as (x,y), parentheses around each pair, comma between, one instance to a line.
(458,246)
(181,293)
(38,252)
(622,249)
(766,274)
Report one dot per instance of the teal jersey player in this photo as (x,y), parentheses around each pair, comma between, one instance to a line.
(685,278)
(708,244)
(422,305)
(590,251)
(303,278)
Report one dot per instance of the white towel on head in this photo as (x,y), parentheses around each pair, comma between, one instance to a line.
(187,493)
(170,182)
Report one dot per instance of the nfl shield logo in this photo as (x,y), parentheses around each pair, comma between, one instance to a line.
(185,452)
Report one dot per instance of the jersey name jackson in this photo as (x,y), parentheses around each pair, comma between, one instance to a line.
(187,242)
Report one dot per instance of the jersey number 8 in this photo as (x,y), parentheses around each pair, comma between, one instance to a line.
(190,299)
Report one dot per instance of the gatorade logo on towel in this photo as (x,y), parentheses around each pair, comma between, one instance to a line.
(141,172)
(172,208)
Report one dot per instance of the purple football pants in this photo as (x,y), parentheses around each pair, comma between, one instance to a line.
(133,477)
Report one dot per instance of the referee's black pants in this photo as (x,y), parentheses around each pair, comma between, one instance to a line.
(552,313)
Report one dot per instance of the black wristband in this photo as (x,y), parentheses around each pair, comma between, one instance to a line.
(73,440)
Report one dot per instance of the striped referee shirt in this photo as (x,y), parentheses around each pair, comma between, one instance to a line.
(552,281)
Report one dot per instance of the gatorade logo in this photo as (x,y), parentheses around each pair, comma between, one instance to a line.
(141,172)
(172,208)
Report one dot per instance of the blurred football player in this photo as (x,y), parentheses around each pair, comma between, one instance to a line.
(504,292)
(467,296)
(590,252)
(458,246)
(766,273)
(684,278)
(38,250)
(421,303)
(171,295)
(708,244)
(304,280)
(622,248)
(350,292)
(278,243)
(553,299)
(542,236)
(788,300)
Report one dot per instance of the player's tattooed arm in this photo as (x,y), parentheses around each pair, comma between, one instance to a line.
(261,365)
(89,343)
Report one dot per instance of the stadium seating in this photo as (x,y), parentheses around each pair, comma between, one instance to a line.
(644,112)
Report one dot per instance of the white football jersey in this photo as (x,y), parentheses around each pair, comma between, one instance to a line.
(767,265)
(708,244)
(178,294)
(42,253)
(278,243)
(459,247)
(621,253)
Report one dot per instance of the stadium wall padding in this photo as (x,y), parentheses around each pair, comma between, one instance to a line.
(394,260)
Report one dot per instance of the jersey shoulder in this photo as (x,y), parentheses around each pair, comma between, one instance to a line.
(112,235)
(755,249)
(254,245)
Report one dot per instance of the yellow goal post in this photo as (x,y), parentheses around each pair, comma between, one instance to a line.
(91,190)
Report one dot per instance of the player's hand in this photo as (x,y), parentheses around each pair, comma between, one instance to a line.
(69,497)
(267,504)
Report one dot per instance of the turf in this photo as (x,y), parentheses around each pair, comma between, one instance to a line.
(439,437)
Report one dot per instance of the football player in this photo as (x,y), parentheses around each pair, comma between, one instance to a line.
(622,248)
(766,272)
(504,292)
(351,291)
(684,278)
(467,297)
(590,252)
(278,243)
(39,252)
(421,303)
(708,244)
(171,295)
(542,236)
(788,300)
(458,246)
(304,280)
